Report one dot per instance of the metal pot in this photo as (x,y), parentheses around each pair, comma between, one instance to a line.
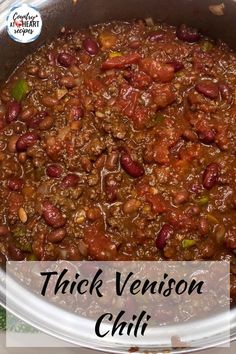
(82,13)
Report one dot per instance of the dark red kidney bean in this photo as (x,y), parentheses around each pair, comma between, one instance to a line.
(208,136)
(35,121)
(70,181)
(52,215)
(77,113)
(13,111)
(133,168)
(15,253)
(90,46)
(65,59)
(203,226)
(210,176)
(208,88)
(15,184)
(27,114)
(177,65)
(163,235)
(54,171)
(57,235)
(4,231)
(188,34)
(26,140)
(155,36)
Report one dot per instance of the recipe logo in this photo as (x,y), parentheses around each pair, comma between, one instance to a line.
(24,24)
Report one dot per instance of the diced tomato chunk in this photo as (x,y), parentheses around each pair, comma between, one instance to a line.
(140,117)
(100,247)
(157,202)
(94,84)
(157,152)
(127,100)
(163,95)
(160,72)
(140,80)
(120,62)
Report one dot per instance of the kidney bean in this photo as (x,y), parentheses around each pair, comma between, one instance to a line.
(43,73)
(4,231)
(86,164)
(208,88)
(22,157)
(49,101)
(177,65)
(93,213)
(54,171)
(207,136)
(133,168)
(203,226)
(90,46)
(26,140)
(15,253)
(11,146)
(57,235)
(13,111)
(134,43)
(188,34)
(65,59)
(52,215)
(46,123)
(15,184)
(27,114)
(67,81)
(163,235)
(155,36)
(210,176)
(189,135)
(33,69)
(181,197)
(70,181)
(100,162)
(131,206)
(35,121)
